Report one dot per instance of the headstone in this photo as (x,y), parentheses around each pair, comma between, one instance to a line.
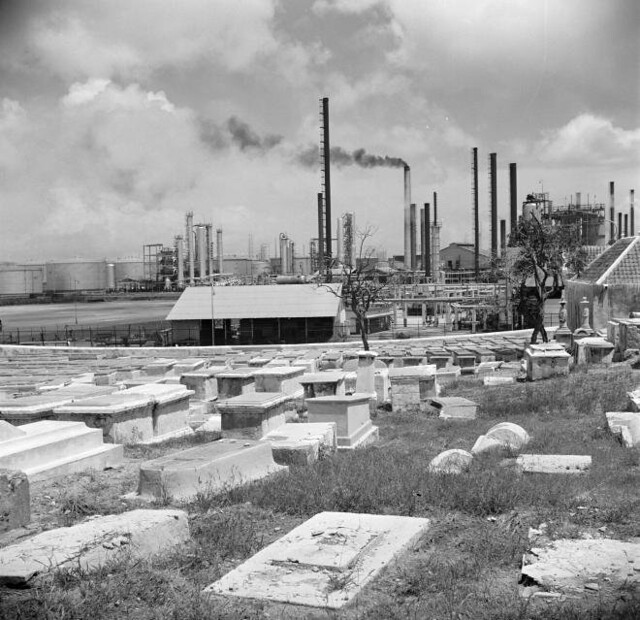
(452,407)
(93,544)
(325,562)
(351,415)
(208,469)
(501,436)
(554,463)
(50,448)
(15,508)
(454,461)
(301,444)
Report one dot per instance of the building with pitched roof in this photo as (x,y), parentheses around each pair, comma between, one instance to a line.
(270,314)
(611,284)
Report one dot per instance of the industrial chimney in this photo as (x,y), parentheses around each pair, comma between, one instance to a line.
(191,249)
(180,253)
(407,216)
(513,195)
(219,248)
(412,231)
(631,214)
(612,214)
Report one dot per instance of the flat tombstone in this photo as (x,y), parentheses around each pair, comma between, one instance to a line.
(14,500)
(323,384)
(285,379)
(9,431)
(554,463)
(411,387)
(546,360)
(90,545)
(300,444)
(203,382)
(236,382)
(211,468)
(452,407)
(626,424)
(325,562)
(258,411)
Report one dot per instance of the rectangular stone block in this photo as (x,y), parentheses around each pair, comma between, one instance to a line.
(351,416)
(285,379)
(260,412)
(301,443)
(328,383)
(546,360)
(452,407)
(90,545)
(554,463)
(325,562)
(204,383)
(236,382)
(411,387)
(15,510)
(211,468)
(626,424)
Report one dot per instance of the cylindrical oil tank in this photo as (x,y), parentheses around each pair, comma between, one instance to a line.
(21,279)
(111,277)
(530,210)
(129,269)
(76,275)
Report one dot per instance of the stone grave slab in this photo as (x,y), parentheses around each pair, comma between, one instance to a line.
(351,415)
(448,375)
(301,443)
(211,468)
(159,367)
(330,383)
(51,448)
(554,463)
(258,411)
(569,565)
(454,461)
(304,566)
(594,350)
(440,357)
(285,379)
(495,380)
(90,545)
(15,510)
(452,407)
(626,424)
(188,364)
(203,382)
(412,387)
(546,360)
(235,382)
(9,431)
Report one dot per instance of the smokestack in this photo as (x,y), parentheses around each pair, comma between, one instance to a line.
(493,183)
(210,248)
(612,214)
(219,248)
(321,246)
(412,229)
(191,249)
(435,208)
(426,240)
(503,236)
(631,214)
(284,263)
(340,241)
(619,225)
(407,216)
(476,215)
(180,251)
(626,225)
(435,250)
(513,195)
(578,199)
(292,257)
(326,168)
(201,239)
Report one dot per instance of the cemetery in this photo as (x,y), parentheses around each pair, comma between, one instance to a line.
(466,476)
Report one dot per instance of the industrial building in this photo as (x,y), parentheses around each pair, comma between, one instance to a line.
(286,314)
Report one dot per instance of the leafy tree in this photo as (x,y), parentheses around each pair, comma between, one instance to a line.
(362,287)
(543,252)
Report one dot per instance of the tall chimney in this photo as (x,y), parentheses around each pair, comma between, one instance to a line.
(578,199)
(219,248)
(284,263)
(513,195)
(426,240)
(210,247)
(626,225)
(412,230)
(619,224)
(321,246)
(631,214)
(476,216)
(201,239)
(407,216)
(180,252)
(493,182)
(326,168)
(191,249)
(435,208)
(503,237)
(612,214)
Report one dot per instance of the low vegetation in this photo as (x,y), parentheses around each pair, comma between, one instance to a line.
(466,567)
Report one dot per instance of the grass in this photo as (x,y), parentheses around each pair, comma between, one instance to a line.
(467,566)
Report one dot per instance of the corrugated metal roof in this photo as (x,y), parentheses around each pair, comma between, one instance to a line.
(256,302)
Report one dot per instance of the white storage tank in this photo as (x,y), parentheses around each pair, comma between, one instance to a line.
(21,279)
(129,269)
(111,277)
(76,275)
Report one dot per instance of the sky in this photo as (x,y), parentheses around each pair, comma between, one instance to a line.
(118,117)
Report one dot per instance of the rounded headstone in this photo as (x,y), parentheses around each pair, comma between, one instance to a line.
(509,434)
(454,461)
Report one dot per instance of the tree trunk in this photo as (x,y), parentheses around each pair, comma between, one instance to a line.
(361,322)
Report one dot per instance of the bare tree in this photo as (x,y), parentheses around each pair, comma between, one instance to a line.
(362,286)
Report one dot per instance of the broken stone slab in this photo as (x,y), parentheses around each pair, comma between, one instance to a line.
(569,566)
(258,411)
(454,461)
(94,543)
(626,424)
(15,510)
(325,562)
(301,443)
(502,436)
(452,407)
(351,415)
(212,468)
(50,448)
(412,387)
(553,463)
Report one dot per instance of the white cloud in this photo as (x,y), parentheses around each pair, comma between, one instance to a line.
(588,140)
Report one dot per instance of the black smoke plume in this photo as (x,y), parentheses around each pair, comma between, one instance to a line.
(310,157)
